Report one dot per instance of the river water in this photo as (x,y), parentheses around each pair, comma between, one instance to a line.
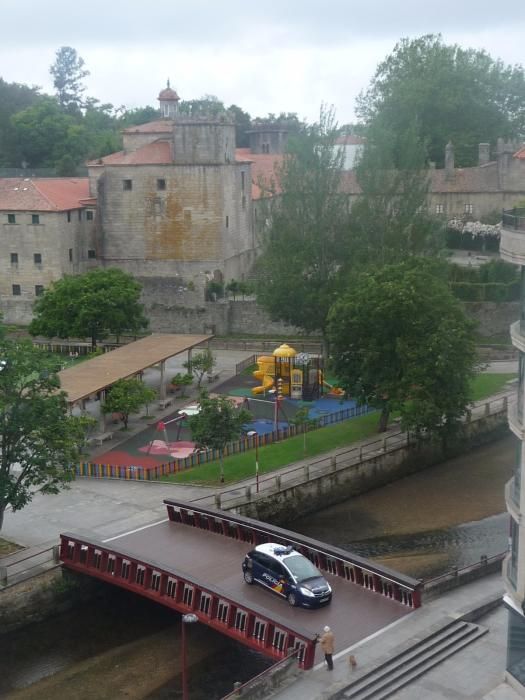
(127,647)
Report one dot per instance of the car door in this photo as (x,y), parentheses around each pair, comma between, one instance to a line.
(278,582)
(258,567)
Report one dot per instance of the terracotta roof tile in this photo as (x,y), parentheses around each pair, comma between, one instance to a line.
(263,168)
(161,126)
(42,194)
(156,153)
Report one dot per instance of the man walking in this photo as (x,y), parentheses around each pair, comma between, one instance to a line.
(327,645)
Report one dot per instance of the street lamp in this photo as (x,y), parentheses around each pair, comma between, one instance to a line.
(254,434)
(187,619)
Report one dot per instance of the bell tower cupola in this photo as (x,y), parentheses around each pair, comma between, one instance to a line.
(169,102)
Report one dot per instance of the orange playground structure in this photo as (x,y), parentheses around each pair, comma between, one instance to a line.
(300,374)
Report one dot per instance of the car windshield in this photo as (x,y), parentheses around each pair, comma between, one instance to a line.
(301,567)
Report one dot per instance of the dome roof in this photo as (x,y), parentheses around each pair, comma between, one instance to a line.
(168,94)
(284,350)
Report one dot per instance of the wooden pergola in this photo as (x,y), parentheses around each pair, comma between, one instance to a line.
(96,375)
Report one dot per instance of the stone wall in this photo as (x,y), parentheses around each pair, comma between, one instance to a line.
(493,319)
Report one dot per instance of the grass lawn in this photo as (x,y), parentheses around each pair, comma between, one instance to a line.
(7,547)
(485,385)
(277,455)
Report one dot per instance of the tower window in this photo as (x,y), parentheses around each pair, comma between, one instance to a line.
(161,184)
(11,219)
(37,258)
(127,184)
(70,255)
(92,254)
(69,217)
(227,221)
(39,290)
(89,215)
(35,218)
(14,259)
(16,290)
(242,180)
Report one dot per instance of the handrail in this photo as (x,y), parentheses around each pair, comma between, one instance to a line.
(514,218)
(243,686)
(484,561)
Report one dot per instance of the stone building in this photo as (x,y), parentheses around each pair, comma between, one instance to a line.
(512,249)
(48,231)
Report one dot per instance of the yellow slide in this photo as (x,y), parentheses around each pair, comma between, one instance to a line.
(267,382)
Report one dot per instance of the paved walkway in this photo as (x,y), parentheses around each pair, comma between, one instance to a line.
(475,672)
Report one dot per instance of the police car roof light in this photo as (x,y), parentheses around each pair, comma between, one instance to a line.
(283,550)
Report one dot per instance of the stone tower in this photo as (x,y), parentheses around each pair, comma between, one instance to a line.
(169,102)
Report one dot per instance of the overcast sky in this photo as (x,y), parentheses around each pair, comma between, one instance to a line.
(270,56)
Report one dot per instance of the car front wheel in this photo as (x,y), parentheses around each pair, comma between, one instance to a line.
(292,599)
(248,577)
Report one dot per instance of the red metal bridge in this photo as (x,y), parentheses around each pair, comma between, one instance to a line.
(191,562)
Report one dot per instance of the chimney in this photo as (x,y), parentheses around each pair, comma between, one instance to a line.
(449,161)
(483,153)
(503,152)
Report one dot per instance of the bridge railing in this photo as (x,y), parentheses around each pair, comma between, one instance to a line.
(248,624)
(335,561)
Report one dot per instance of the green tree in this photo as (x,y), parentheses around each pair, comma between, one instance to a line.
(127,396)
(233,288)
(200,364)
(99,303)
(208,106)
(452,93)
(390,220)
(39,441)
(243,124)
(218,422)
(304,245)
(401,342)
(302,420)
(13,98)
(68,74)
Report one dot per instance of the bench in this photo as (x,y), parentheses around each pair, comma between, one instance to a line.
(166,402)
(99,439)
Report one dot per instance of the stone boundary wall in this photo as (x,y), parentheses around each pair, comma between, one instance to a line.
(335,482)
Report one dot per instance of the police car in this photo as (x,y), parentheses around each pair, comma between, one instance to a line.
(287,573)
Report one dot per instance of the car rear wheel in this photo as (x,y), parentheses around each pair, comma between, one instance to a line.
(292,599)
(248,577)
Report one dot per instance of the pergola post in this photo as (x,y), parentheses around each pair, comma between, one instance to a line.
(103,417)
(162,389)
(189,360)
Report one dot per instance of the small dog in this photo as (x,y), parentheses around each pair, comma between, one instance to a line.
(352,661)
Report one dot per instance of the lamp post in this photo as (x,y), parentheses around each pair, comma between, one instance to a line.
(187,619)
(255,435)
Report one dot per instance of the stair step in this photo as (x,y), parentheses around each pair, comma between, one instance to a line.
(413,662)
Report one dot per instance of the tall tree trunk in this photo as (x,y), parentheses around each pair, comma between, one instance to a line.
(93,342)
(2,511)
(383,418)
(221,468)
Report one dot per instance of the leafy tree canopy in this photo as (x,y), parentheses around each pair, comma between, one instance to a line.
(401,342)
(39,441)
(390,220)
(305,242)
(218,422)
(452,93)
(127,396)
(93,305)
(200,364)
(68,74)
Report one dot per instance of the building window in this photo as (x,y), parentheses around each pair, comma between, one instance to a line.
(227,221)
(11,219)
(242,180)
(80,214)
(127,184)
(16,290)
(69,217)
(161,184)
(14,259)
(440,208)
(89,215)
(469,208)
(39,290)
(92,254)
(35,218)
(37,258)
(70,251)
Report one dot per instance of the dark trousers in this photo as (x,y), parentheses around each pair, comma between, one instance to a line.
(329,662)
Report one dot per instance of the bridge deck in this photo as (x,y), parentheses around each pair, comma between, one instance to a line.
(355,612)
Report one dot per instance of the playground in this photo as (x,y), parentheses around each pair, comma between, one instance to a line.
(274,391)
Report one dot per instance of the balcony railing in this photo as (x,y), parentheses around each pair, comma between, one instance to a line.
(514,219)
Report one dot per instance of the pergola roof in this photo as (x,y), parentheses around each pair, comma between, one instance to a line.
(94,375)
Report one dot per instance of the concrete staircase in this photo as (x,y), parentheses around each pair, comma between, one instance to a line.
(400,670)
